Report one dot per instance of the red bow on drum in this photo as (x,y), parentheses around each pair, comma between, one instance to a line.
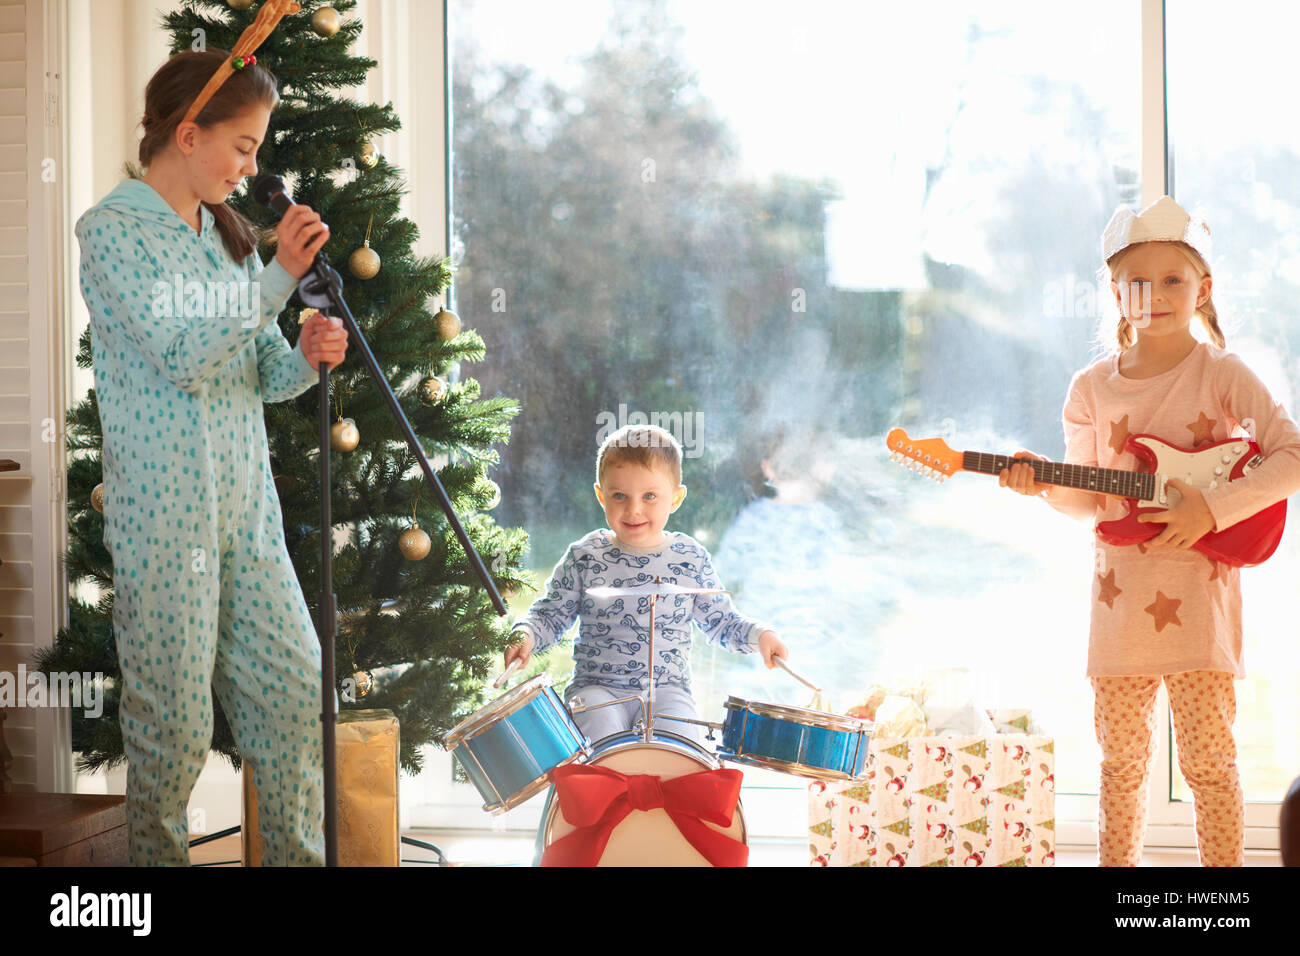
(595,800)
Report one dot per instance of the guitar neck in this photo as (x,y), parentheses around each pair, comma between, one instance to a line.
(1102,481)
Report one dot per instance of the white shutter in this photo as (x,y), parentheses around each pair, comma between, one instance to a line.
(33,371)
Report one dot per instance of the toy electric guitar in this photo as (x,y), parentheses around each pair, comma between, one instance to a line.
(1245,543)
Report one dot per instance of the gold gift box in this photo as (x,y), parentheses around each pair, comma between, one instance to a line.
(368,821)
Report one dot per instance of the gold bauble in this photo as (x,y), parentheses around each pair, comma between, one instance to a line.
(344,435)
(492,488)
(434,389)
(363,681)
(369,155)
(239,4)
(447,323)
(326,21)
(97,498)
(414,544)
(364,263)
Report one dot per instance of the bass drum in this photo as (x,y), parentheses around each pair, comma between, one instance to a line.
(649,837)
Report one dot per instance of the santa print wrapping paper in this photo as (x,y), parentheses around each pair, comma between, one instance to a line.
(940,801)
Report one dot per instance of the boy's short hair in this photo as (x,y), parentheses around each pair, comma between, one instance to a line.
(644,445)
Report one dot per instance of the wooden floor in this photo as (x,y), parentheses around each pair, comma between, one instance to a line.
(487,848)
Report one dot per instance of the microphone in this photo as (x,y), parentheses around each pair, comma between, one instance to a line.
(269,191)
(317,286)
(319,277)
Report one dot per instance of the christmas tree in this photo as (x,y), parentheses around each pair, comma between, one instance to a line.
(416,635)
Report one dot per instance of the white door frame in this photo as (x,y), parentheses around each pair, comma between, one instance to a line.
(50,359)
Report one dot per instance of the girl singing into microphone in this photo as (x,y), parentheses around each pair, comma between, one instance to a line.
(205,597)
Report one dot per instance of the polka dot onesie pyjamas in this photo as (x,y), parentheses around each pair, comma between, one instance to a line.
(1204,705)
(205,597)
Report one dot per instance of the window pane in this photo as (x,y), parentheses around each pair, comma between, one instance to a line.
(788,235)
(1242,173)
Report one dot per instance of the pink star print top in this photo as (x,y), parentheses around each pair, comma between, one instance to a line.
(1168,610)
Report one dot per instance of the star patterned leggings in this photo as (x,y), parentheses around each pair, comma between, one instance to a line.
(1204,705)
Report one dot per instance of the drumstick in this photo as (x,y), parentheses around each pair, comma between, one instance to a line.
(496,684)
(803,680)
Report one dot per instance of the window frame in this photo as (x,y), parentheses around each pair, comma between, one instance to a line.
(442,803)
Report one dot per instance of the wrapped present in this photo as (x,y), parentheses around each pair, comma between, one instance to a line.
(1014,721)
(900,717)
(368,824)
(914,690)
(941,703)
(940,801)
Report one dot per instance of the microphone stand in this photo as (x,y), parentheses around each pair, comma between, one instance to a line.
(322,288)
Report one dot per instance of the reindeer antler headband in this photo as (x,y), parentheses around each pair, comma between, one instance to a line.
(267,17)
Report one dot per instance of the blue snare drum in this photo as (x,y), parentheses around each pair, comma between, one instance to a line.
(808,743)
(509,746)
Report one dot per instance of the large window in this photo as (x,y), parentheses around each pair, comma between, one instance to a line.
(1239,166)
(785,234)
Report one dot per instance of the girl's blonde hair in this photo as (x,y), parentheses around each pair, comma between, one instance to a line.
(1125,334)
(168,96)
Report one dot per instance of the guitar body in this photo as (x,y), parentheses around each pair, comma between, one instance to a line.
(1248,542)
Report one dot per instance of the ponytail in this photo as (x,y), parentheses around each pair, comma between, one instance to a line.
(238,234)
(1124,333)
(1210,319)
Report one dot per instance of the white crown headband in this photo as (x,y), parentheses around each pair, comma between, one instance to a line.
(1162,221)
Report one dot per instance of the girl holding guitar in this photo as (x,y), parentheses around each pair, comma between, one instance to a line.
(1162,611)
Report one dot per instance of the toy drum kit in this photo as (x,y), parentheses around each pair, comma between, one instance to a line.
(646,796)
